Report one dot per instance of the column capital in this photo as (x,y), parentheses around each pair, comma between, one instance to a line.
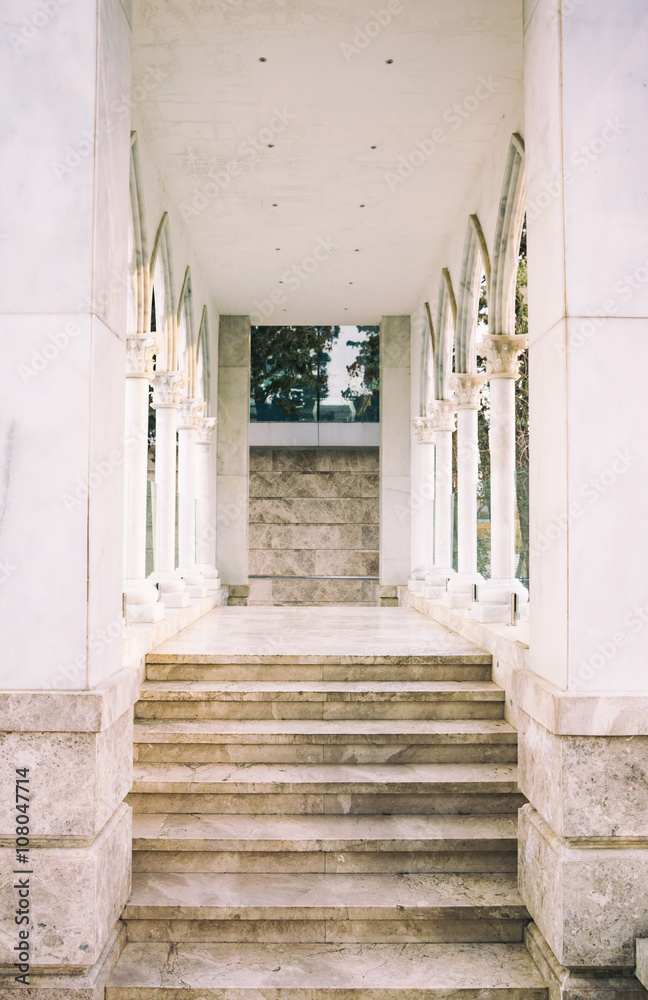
(140,350)
(167,389)
(205,430)
(424,430)
(441,414)
(502,352)
(467,386)
(190,414)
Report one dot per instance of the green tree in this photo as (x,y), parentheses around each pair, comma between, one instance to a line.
(366,368)
(288,367)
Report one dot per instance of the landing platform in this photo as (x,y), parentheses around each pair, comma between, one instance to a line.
(314,634)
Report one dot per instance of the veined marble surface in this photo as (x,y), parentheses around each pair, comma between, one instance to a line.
(314,633)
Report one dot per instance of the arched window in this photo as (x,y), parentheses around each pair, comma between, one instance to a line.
(162,291)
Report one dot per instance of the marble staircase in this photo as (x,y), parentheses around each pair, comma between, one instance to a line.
(304,830)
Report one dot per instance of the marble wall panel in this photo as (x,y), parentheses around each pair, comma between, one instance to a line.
(334,591)
(260,459)
(588,902)
(336,562)
(282,562)
(78,895)
(314,511)
(321,484)
(77,779)
(585,786)
(313,536)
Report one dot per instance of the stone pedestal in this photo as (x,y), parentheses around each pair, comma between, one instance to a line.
(583,865)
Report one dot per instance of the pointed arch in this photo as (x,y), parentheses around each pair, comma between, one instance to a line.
(446,323)
(161,280)
(426,386)
(476,261)
(202,360)
(138,285)
(186,341)
(501,306)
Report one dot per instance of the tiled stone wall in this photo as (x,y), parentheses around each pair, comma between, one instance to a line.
(314,512)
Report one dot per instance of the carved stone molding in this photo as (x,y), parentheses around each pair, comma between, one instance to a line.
(424,430)
(503,354)
(205,430)
(168,388)
(140,351)
(467,386)
(190,414)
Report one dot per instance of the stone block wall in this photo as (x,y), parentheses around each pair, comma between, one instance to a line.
(314,523)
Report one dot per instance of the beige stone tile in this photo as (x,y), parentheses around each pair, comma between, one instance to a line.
(336,562)
(260,460)
(320,484)
(314,511)
(284,562)
(348,459)
(78,894)
(358,968)
(310,536)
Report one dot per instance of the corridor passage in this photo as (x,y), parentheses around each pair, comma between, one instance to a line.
(324,799)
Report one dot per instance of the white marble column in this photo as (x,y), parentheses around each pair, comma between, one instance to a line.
(167,395)
(467,386)
(206,512)
(66,704)
(503,363)
(189,417)
(443,423)
(395,470)
(423,504)
(142,603)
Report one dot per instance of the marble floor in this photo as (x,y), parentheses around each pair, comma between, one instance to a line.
(315,633)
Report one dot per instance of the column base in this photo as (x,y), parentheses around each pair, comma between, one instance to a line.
(68,984)
(144,613)
(142,602)
(211,577)
(436,582)
(172,590)
(493,603)
(577,984)
(460,590)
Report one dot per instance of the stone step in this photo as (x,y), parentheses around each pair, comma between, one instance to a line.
(302,972)
(440,668)
(319,908)
(299,741)
(355,844)
(320,700)
(330,789)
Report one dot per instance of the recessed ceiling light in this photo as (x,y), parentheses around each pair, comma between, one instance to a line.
(350,282)
(357,249)
(271,145)
(362,206)
(374,147)
(274,204)
(262,59)
(277,248)
(389,61)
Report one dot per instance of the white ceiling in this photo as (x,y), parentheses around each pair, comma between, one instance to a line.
(322,168)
